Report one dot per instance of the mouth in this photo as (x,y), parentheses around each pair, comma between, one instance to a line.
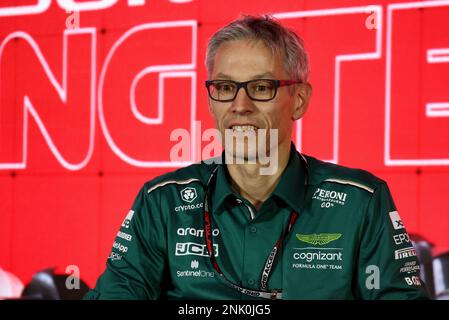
(243,128)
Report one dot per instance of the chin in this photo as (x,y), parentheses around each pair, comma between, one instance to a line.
(242,154)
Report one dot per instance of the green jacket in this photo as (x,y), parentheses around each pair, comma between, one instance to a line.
(347,243)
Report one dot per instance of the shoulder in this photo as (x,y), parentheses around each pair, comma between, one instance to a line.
(195,174)
(326,172)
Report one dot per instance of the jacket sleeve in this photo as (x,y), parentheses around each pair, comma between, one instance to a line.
(134,268)
(387,264)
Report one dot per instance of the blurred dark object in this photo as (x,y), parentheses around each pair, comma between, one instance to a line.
(441,276)
(424,253)
(46,285)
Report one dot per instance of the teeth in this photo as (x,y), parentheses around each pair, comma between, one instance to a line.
(243,128)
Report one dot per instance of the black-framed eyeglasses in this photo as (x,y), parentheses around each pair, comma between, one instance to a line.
(257,90)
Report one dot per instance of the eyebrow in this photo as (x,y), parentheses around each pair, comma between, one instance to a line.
(258,76)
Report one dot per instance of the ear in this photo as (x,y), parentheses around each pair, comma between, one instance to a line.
(303,93)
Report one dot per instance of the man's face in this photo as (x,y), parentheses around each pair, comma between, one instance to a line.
(244,60)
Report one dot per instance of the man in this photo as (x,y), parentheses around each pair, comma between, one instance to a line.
(304,230)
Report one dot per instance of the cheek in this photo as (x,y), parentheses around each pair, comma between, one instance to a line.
(281,116)
(214,111)
(217,115)
(282,120)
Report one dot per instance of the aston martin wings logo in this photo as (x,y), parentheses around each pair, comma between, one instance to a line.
(318,238)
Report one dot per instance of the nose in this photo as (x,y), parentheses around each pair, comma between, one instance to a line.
(242,104)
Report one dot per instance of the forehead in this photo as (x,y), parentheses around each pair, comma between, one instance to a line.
(242,60)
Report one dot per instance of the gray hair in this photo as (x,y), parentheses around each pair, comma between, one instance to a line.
(282,41)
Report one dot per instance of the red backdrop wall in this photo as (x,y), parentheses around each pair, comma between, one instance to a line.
(91,90)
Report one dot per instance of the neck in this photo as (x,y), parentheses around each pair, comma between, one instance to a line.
(247,181)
